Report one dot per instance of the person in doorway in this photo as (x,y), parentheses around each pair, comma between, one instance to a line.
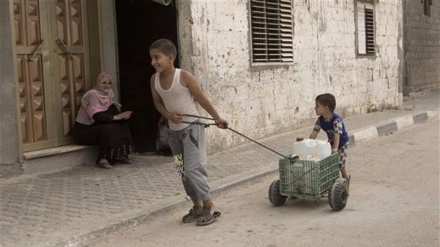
(334,127)
(100,122)
(176,93)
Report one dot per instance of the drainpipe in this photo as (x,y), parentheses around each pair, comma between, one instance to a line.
(406,62)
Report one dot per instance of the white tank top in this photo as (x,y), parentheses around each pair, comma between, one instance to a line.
(177,99)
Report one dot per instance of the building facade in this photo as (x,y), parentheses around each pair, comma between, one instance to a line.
(421,45)
(261,63)
(353,49)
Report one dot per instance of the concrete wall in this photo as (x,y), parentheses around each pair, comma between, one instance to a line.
(422,46)
(108,34)
(9,146)
(263,100)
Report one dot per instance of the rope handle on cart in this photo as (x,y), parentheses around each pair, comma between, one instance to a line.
(209,124)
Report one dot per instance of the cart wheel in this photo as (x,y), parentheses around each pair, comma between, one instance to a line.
(274,194)
(338,194)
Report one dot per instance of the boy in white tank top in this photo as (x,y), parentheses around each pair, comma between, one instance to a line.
(176,92)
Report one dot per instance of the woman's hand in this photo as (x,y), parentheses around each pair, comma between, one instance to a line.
(126,114)
(123,115)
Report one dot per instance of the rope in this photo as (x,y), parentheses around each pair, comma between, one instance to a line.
(209,124)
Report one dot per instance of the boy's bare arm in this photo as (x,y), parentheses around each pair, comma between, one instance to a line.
(336,138)
(193,85)
(313,135)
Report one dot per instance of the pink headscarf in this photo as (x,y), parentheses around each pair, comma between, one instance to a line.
(95,100)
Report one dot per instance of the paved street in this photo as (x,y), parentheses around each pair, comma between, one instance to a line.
(75,207)
(394,202)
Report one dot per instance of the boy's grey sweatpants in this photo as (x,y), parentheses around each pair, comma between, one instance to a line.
(188,146)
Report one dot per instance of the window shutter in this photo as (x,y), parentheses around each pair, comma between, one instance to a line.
(362,36)
(427,7)
(286,27)
(272,30)
(365,29)
(369,29)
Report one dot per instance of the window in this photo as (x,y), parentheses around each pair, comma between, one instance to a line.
(365,28)
(427,7)
(272,31)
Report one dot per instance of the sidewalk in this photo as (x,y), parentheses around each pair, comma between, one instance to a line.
(74,207)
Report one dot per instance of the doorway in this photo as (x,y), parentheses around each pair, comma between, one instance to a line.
(140,23)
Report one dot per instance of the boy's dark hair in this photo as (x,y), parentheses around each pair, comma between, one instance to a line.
(165,46)
(327,99)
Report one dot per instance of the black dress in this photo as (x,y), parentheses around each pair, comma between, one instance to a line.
(113,137)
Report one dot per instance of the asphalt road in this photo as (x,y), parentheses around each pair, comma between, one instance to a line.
(394,202)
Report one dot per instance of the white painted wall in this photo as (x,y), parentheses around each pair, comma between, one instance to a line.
(263,100)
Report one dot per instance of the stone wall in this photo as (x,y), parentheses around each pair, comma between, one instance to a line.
(9,146)
(263,100)
(422,46)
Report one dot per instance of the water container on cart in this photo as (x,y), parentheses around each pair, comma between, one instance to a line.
(310,149)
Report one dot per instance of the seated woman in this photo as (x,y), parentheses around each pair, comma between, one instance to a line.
(100,122)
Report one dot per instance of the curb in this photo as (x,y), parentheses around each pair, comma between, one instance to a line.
(174,203)
(389,127)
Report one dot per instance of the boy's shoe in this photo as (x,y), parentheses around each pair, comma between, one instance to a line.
(206,218)
(193,215)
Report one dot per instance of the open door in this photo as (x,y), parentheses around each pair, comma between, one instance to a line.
(139,23)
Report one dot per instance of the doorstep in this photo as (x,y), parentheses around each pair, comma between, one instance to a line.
(53,151)
(52,160)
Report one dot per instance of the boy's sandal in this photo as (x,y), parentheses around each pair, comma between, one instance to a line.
(207,218)
(193,215)
(104,164)
(217,214)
